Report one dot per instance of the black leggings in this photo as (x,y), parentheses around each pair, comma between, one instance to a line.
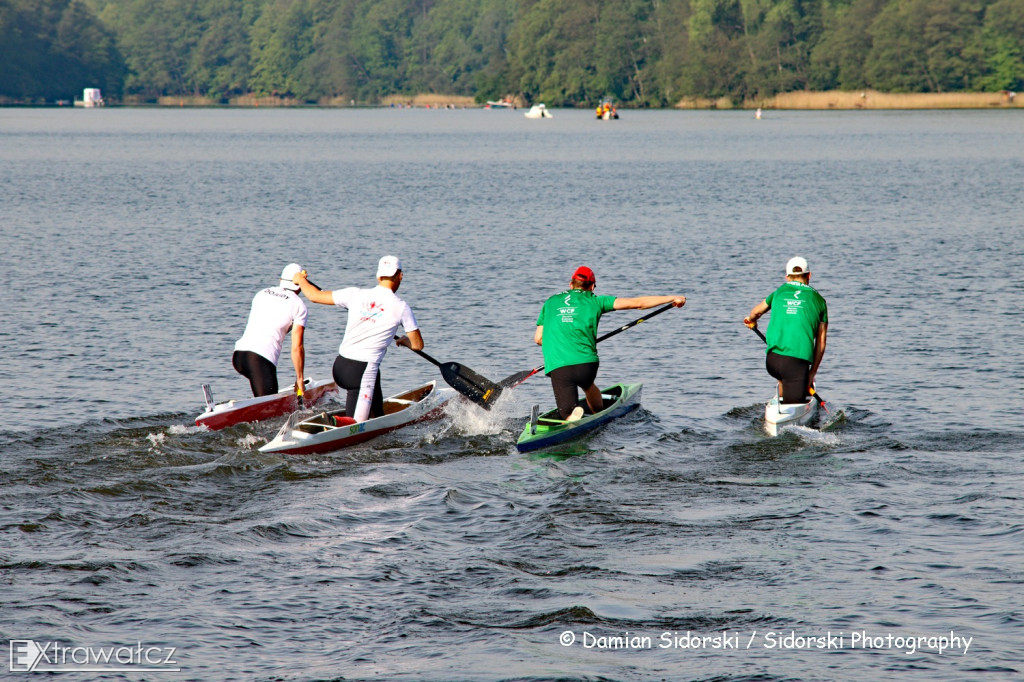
(565,381)
(261,373)
(794,374)
(348,374)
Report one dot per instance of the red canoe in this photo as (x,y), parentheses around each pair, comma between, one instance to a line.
(233,412)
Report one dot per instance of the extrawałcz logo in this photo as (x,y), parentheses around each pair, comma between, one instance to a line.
(29,656)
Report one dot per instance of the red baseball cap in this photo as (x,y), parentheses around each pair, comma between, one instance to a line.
(585,274)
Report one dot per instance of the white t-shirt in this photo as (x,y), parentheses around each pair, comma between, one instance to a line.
(373,318)
(274,311)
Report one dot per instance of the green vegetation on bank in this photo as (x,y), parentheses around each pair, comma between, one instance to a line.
(563,52)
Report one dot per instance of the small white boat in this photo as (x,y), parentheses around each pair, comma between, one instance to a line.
(223,415)
(780,415)
(538,111)
(329,431)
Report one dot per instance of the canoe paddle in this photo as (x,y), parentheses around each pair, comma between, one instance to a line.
(811,390)
(519,377)
(477,388)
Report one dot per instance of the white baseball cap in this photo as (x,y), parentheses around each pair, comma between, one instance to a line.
(290,271)
(797,266)
(388,266)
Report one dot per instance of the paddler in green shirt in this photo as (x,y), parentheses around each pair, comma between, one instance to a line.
(567,331)
(796,332)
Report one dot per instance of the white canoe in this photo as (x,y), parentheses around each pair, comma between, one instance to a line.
(329,431)
(780,415)
(223,415)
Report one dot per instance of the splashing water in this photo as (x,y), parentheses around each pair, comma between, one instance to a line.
(185,429)
(250,441)
(474,420)
(815,436)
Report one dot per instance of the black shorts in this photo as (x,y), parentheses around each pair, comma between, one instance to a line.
(794,374)
(348,374)
(565,381)
(261,373)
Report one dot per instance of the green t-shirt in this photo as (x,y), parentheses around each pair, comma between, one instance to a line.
(797,309)
(570,327)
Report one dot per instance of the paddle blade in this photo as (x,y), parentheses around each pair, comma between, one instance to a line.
(479,389)
(817,397)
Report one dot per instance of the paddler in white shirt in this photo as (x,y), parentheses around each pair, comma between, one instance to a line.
(374,316)
(275,311)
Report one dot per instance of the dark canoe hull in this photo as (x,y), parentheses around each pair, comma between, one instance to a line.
(620,399)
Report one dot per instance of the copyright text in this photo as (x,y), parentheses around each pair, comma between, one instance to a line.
(789,640)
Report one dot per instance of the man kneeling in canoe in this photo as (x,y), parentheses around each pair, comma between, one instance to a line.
(797,332)
(567,332)
(275,311)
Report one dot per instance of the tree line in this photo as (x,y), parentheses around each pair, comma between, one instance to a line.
(645,53)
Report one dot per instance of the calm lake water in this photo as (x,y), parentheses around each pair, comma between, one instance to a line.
(133,241)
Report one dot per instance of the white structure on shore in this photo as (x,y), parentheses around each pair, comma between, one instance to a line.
(91,97)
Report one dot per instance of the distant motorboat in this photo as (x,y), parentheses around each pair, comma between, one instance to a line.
(500,104)
(606,111)
(538,111)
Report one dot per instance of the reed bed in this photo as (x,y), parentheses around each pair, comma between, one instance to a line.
(433,101)
(866,99)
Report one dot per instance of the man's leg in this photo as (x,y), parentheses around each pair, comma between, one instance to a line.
(564,389)
(594,400)
(261,373)
(793,375)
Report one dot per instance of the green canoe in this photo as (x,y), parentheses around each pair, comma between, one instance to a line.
(548,429)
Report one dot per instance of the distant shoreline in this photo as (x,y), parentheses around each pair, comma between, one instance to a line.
(835,99)
(811,101)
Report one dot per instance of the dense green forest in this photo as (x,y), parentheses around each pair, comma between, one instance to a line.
(562,52)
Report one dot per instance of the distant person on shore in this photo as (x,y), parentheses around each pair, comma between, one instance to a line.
(374,316)
(796,332)
(274,312)
(567,332)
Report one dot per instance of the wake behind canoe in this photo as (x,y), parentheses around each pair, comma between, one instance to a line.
(549,429)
